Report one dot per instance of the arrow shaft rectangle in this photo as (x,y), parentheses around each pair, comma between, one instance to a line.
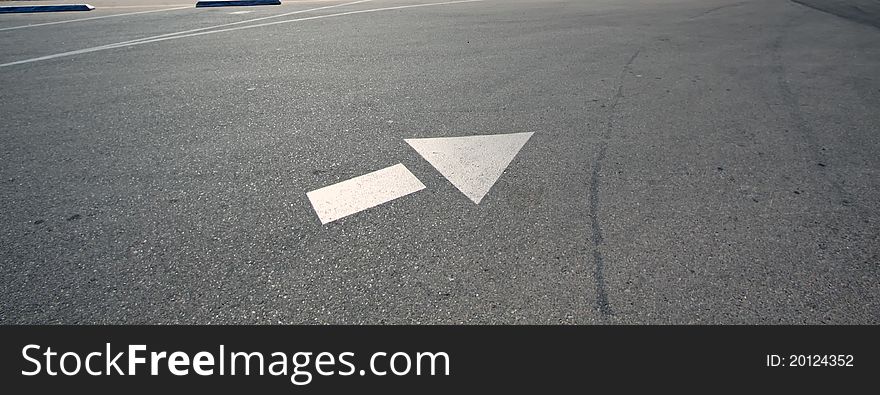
(360,193)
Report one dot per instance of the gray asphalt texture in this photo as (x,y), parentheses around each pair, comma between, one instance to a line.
(693,162)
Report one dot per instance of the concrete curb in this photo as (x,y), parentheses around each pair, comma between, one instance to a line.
(236,3)
(46,8)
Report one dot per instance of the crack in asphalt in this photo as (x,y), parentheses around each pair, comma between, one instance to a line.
(867,14)
(711,10)
(815,153)
(602,303)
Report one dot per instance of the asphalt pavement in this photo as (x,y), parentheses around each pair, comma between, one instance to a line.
(672,162)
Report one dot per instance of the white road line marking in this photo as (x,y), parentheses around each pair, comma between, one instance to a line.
(283,3)
(472,163)
(360,193)
(93,18)
(173,37)
(240,12)
(146,6)
(187,32)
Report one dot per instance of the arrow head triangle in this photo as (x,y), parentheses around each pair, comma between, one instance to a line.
(472,163)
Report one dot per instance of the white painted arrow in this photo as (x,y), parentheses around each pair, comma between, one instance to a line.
(472,163)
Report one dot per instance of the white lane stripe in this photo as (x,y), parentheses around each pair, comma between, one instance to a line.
(93,18)
(192,5)
(147,41)
(360,193)
(234,23)
(240,12)
(145,6)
